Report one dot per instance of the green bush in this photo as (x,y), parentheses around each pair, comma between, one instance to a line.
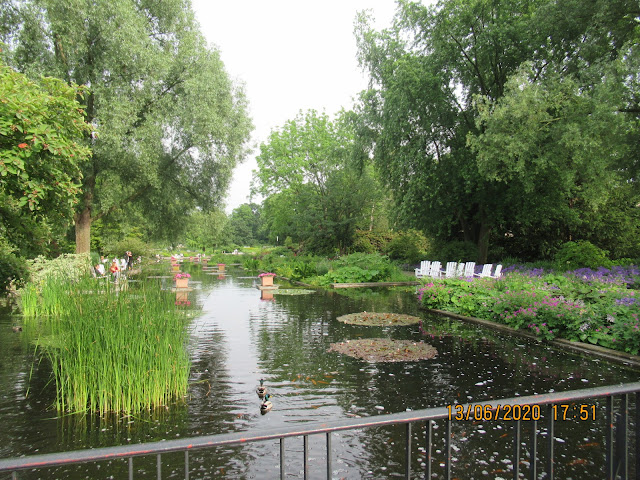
(409,247)
(581,254)
(132,244)
(12,269)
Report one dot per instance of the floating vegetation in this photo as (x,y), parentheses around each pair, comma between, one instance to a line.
(372,319)
(385,350)
(293,291)
(112,351)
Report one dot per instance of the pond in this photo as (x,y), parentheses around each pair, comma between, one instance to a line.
(238,338)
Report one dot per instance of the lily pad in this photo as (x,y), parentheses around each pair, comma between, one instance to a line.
(385,350)
(373,319)
(293,291)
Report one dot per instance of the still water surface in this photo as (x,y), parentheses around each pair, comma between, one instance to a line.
(238,338)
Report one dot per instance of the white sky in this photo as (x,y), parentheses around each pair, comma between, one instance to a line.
(291,55)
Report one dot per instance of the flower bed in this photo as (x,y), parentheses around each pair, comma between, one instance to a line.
(595,306)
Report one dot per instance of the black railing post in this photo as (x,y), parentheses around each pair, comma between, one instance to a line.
(609,438)
(637,436)
(282,458)
(428,441)
(329,455)
(186,465)
(159,466)
(534,450)
(407,445)
(306,456)
(551,435)
(447,460)
(130,468)
(516,449)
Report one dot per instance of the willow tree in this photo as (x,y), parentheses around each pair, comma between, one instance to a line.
(428,70)
(171,125)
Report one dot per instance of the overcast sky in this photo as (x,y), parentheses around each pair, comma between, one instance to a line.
(291,55)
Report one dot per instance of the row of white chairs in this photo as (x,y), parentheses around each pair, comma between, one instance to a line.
(455,269)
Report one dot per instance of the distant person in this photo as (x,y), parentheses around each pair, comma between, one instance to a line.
(114,269)
(100,270)
(129,260)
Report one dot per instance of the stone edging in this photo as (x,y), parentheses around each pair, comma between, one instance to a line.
(607,353)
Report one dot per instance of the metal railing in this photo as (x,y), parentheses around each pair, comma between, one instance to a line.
(616,434)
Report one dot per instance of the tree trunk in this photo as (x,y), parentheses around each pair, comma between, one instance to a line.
(483,243)
(83,230)
(83,217)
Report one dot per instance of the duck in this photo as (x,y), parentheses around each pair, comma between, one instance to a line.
(266,404)
(261,390)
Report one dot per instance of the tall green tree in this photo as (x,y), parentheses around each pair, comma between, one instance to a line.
(245,224)
(171,123)
(426,72)
(317,195)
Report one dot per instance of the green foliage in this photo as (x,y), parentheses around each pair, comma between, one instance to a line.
(172,122)
(135,245)
(113,351)
(456,250)
(67,268)
(409,247)
(546,97)
(580,254)
(12,267)
(316,196)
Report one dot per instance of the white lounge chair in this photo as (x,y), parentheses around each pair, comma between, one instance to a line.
(486,270)
(424,270)
(435,270)
(498,272)
(469,269)
(450,272)
(460,270)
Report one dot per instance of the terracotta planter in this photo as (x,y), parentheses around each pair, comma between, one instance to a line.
(267,280)
(175,267)
(182,283)
(221,267)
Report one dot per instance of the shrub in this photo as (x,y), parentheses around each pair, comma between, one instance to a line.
(581,254)
(136,246)
(12,269)
(407,246)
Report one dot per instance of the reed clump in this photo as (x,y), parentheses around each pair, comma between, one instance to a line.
(111,350)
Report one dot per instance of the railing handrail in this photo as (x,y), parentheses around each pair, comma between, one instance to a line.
(236,438)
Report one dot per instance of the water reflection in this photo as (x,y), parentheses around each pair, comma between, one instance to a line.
(237,338)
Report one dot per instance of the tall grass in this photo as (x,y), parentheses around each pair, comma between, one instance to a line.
(111,351)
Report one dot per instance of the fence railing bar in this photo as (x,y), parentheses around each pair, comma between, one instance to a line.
(516,449)
(328,455)
(429,441)
(551,435)
(306,456)
(240,438)
(609,439)
(407,446)
(534,450)
(447,460)
(186,465)
(130,468)
(282,474)
(159,466)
